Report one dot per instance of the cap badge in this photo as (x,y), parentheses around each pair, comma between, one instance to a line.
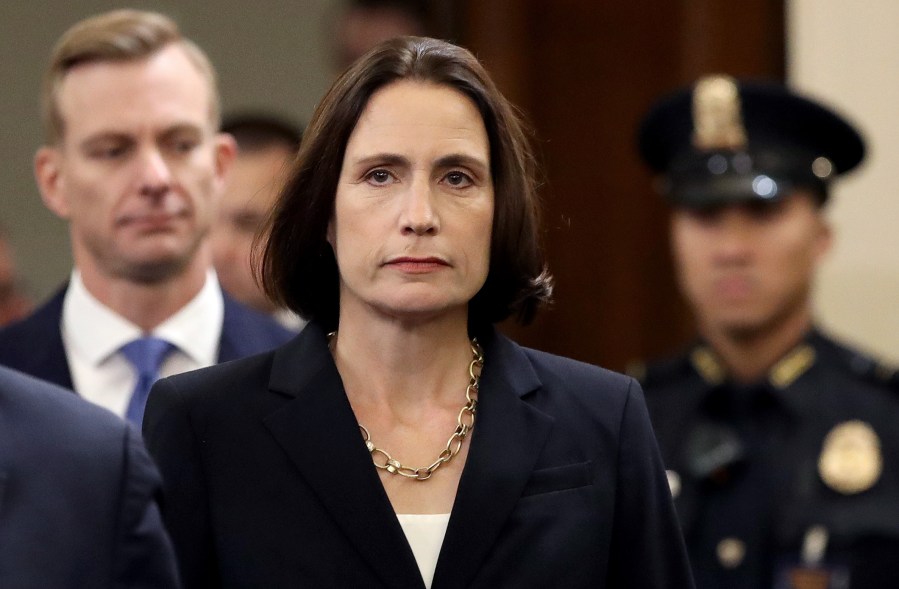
(717,114)
(850,460)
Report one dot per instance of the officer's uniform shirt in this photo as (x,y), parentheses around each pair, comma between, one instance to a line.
(791,482)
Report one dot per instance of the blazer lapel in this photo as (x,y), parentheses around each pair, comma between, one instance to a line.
(508,437)
(319,432)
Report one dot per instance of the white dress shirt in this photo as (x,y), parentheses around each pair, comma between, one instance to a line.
(92,335)
(425,533)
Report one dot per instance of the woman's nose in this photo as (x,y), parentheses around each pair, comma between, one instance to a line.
(419,214)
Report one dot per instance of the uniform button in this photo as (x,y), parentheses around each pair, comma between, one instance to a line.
(731,552)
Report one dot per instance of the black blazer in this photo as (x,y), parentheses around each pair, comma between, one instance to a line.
(34,344)
(77,495)
(269,484)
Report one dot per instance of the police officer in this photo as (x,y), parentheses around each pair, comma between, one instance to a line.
(782,445)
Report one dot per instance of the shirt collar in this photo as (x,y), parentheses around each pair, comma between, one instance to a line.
(196,328)
(97,332)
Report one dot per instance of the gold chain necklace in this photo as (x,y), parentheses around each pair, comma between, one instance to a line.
(464,425)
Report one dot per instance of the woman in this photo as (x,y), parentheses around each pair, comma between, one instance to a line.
(400,441)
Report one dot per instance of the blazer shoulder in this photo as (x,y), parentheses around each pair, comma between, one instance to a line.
(86,472)
(66,420)
(575,371)
(579,390)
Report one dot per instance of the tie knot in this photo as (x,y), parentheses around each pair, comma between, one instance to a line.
(146,354)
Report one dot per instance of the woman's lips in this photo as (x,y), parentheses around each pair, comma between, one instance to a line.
(412,265)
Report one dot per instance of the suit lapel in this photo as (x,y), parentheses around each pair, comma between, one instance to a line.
(52,361)
(318,431)
(508,438)
(43,353)
(246,332)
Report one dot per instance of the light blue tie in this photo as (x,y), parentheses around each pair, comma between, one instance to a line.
(145,355)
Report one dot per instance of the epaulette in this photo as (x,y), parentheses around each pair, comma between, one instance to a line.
(859,364)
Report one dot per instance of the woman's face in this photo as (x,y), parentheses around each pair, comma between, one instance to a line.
(414,206)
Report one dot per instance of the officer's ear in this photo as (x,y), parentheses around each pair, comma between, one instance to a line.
(824,239)
(823,231)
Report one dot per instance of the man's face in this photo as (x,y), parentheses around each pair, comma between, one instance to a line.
(139,168)
(252,190)
(746,268)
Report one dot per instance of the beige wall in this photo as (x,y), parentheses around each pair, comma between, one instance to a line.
(847,53)
(269,53)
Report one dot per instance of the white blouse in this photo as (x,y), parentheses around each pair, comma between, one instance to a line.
(425,533)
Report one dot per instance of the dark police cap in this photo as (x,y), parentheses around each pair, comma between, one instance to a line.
(724,140)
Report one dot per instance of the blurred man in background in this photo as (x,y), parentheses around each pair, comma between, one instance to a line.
(14,303)
(781,444)
(133,160)
(362,24)
(266,145)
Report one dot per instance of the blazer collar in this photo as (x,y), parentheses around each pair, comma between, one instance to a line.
(319,432)
(508,438)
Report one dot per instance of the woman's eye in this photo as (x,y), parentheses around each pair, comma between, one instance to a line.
(458,179)
(379,177)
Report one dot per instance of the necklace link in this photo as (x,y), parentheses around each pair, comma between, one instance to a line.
(464,425)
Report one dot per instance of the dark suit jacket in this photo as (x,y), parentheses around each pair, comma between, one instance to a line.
(269,484)
(77,495)
(34,345)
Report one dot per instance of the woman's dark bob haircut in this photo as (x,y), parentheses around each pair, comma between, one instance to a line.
(299,270)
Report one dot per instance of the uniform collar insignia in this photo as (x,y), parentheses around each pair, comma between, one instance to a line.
(782,374)
(707,364)
(792,366)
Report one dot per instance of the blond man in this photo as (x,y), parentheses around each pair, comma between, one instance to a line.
(134,162)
